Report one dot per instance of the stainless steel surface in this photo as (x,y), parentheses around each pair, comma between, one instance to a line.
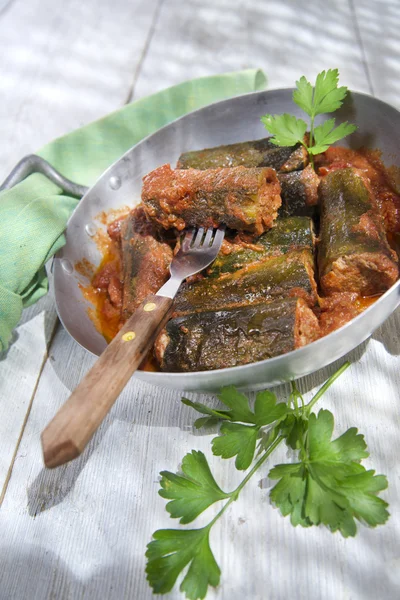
(237,119)
(198,250)
(35,164)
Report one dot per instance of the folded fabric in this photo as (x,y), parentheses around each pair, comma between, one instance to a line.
(33,214)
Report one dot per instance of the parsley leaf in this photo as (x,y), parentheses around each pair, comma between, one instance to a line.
(236,440)
(324,97)
(214,415)
(206,422)
(328,97)
(327,134)
(192,492)
(240,440)
(231,397)
(266,409)
(303,95)
(293,429)
(171,551)
(288,494)
(329,485)
(238,403)
(286,129)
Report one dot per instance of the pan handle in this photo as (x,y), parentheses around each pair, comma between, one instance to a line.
(35,164)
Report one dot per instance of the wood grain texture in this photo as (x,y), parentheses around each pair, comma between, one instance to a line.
(19,371)
(64,64)
(378,26)
(80,531)
(286,39)
(67,435)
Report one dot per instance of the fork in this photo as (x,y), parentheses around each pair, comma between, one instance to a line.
(66,436)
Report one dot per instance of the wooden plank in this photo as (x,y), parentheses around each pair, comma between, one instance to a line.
(81,530)
(19,372)
(64,66)
(60,68)
(378,26)
(286,39)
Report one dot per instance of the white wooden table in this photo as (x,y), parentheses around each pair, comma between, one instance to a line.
(81,531)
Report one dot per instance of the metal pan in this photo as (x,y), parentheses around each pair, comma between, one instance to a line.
(233,120)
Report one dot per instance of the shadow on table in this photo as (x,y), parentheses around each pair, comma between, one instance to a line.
(388,334)
(139,404)
(30,570)
(35,572)
(52,486)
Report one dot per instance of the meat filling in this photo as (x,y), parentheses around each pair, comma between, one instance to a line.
(245,199)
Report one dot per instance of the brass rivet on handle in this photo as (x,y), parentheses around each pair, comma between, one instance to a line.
(149,306)
(129,336)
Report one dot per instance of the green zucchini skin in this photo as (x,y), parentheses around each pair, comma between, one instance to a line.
(145,261)
(255,153)
(277,276)
(220,339)
(287,234)
(299,192)
(245,199)
(353,252)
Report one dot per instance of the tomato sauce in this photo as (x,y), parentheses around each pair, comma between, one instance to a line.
(382,182)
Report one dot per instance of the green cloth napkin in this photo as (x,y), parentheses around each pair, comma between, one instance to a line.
(33,215)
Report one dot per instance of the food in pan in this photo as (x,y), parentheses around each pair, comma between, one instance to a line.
(245,199)
(291,275)
(353,252)
(256,153)
(320,272)
(145,259)
(298,180)
(307,246)
(226,338)
(299,192)
(288,234)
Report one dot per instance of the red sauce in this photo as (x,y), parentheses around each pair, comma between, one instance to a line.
(364,303)
(104,314)
(382,183)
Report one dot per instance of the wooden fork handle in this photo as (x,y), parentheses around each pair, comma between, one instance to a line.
(66,436)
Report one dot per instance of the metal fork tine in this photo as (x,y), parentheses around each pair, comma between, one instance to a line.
(198,238)
(219,234)
(192,257)
(208,237)
(187,240)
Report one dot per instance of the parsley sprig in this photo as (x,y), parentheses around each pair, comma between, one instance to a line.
(324,97)
(327,485)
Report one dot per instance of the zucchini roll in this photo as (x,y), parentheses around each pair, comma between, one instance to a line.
(256,153)
(227,338)
(299,192)
(279,276)
(145,260)
(242,199)
(353,252)
(292,233)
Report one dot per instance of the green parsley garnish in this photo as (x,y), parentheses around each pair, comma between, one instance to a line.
(327,485)
(324,97)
